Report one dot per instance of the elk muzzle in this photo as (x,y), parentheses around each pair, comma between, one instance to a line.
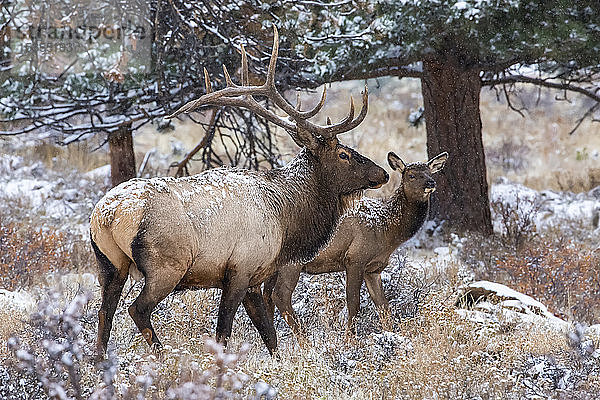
(378,178)
(429,186)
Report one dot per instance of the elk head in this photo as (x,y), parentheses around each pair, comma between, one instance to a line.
(339,167)
(417,178)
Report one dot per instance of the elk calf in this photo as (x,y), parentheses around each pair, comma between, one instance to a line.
(229,228)
(364,241)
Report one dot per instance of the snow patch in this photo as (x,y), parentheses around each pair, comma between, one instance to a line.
(18,300)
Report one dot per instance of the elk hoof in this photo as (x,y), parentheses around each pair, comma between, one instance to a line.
(147,334)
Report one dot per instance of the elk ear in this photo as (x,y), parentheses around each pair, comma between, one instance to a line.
(437,162)
(333,142)
(305,139)
(396,162)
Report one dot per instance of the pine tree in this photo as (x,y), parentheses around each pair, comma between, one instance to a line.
(455,48)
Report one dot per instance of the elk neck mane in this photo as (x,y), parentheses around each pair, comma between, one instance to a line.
(309,210)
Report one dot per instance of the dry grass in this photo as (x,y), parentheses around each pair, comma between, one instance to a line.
(26,255)
(80,155)
(562,275)
(437,354)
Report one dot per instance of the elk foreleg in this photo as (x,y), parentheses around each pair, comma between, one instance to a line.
(255,307)
(375,288)
(287,279)
(234,291)
(354,279)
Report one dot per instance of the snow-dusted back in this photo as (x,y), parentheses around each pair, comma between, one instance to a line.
(375,213)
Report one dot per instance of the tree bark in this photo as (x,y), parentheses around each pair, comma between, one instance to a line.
(122,157)
(453,122)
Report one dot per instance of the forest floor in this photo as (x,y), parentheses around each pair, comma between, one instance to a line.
(534,333)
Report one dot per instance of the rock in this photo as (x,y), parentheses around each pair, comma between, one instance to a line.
(595,192)
(489,297)
(102,172)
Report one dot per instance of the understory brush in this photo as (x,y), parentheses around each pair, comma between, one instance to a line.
(436,353)
(54,357)
(27,254)
(563,275)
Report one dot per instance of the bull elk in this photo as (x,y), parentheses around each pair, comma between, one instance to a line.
(229,228)
(364,241)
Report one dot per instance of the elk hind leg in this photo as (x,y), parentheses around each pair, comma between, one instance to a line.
(268,295)
(156,287)
(112,280)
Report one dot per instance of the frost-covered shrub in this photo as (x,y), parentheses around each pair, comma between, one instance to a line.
(515,218)
(563,276)
(408,287)
(218,381)
(57,349)
(55,357)
(27,253)
(576,376)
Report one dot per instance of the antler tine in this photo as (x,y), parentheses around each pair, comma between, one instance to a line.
(298,102)
(242,96)
(228,80)
(207,81)
(317,108)
(270,82)
(363,112)
(347,123)
(245,79)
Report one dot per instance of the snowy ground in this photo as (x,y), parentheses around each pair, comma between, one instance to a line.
(64,199)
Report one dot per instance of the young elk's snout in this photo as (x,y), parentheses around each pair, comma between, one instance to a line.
(429,186)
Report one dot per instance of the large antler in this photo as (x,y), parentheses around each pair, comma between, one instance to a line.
(297,125)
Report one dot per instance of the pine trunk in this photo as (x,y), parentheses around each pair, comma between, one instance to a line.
(453,123)
(122,157)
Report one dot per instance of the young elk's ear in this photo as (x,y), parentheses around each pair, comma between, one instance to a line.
(437,162)
(396,162)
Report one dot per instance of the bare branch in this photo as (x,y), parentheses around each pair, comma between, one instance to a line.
(182,169)
(377,72)
(565,85)
(589,112)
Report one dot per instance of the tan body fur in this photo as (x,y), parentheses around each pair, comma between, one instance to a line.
(201,211)
(364,241)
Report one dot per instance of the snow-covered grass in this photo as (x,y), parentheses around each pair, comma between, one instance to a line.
(509,345)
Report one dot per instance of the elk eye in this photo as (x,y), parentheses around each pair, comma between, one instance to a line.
(411,176)
(344,156)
